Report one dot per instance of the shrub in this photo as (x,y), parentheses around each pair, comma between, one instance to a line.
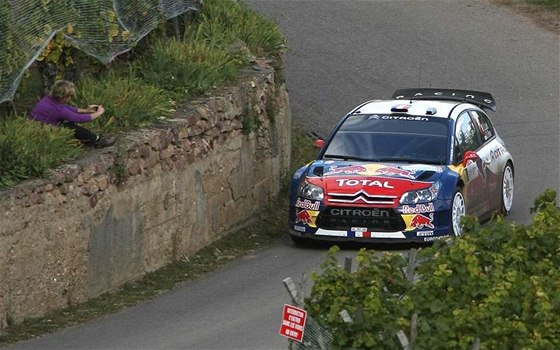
(129,102)
(28,149)
(497,285)
(371,296)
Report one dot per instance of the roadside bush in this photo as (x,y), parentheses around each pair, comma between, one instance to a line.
(371,295)
(499,283)
(129,102)
(28,149)
(496,286)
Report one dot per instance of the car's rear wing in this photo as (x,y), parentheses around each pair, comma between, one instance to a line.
(479,98)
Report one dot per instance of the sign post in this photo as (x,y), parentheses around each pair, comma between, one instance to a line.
(293,322)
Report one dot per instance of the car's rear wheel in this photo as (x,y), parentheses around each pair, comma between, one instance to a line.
(507,189)
(458,210)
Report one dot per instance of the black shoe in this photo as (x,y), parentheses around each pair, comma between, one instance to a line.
(105,141)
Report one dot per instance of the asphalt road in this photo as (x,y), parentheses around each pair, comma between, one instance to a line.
(342,53)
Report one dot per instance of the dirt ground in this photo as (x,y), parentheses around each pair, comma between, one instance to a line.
(546,18)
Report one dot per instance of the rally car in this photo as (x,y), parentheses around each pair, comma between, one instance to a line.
(406,169)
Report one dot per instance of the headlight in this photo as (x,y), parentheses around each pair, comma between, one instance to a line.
(310,191)
(422,196)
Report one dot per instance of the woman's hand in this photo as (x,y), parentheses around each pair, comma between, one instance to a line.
(92,108)
(98,112)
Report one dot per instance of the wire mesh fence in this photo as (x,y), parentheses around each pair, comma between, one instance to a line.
(315,337)
(103,29)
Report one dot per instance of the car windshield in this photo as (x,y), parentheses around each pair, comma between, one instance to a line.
(386,138)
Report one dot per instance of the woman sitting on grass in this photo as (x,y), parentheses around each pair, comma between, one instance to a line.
(54,109)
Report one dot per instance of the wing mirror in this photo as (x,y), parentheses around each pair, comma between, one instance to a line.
(319,143)
(470,156)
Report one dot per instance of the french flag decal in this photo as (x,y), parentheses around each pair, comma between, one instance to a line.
(360,232)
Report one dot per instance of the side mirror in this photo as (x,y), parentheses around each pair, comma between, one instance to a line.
(470,156)
(320,143)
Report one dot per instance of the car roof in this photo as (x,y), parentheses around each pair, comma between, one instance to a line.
(440,109)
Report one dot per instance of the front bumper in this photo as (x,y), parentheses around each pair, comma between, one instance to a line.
(419,224)
(372,236)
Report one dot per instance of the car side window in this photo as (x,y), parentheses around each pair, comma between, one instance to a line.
(484,125)
(466,136)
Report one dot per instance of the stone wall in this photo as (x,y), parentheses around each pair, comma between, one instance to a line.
(160,194)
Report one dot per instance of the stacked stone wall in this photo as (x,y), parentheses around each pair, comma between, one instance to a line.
(160,194)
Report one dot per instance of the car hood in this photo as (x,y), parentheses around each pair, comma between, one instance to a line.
(365,183)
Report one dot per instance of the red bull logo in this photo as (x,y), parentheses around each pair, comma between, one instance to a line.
(347,170)
(304,217)
(421,221)
(417,209)
(394,171)
(307,204)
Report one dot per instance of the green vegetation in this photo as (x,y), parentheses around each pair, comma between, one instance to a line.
(550,4)
(129,102)
(226,24)
(371,295)
(142,87)
(28,149)
(187,68)
(496,286)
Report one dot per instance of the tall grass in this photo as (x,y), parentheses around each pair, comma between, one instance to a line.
(222,22)
(129,102)
(186,68)
(29,148)
(224,36)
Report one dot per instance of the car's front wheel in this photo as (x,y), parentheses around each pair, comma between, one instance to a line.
(507,189)
(458,210)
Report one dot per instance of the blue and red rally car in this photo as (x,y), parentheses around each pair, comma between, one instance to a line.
(405,169)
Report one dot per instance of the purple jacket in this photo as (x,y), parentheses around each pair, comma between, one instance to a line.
(50,111)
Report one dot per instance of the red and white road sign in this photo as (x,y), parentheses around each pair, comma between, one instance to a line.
(293,322)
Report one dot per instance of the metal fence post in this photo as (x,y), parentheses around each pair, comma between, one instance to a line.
(292,290)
